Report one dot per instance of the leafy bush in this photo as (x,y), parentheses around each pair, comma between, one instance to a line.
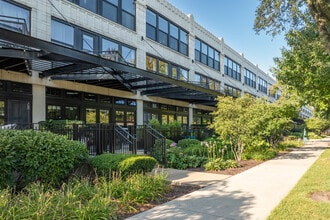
(176,158)
(157,149)
(105,164)
(28,156)
(284,145)
(217,149)
(196,150)
(138,164)
(80,199)
(259,150)
(184,143)
(266,154)
(220,164)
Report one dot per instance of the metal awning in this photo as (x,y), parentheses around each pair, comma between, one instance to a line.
(23,53)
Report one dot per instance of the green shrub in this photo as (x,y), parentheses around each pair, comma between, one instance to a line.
(196,150)
(266,154)
(156,151)
(284,145)
(259,150)
(184,143)
(220,164)
(105,164)
(81,199)
(177,159)
(28,156)
(138,164)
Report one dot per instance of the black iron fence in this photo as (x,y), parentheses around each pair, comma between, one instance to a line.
(107,138)
(112,138)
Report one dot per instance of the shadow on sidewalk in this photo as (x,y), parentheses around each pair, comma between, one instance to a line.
(211,202)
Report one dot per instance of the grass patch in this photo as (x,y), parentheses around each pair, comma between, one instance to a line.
(298,204)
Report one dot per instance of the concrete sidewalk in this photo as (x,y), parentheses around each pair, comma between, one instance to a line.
(252,194)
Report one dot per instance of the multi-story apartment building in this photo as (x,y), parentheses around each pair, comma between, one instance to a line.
(115,61)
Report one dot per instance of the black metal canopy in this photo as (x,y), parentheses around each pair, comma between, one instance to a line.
(23,53)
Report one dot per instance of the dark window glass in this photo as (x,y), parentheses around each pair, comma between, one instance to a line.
(183,36)
(72,94)
(110,50)
(62,33)
(88,4)
(14,18)
(183,48)
(174,35)
(119,101)
(53,112)
(110,11)
(21,88)
(166,33)
(151,32)
(128,54)
(71,113)
(88,43)
(128,20)
(128,6)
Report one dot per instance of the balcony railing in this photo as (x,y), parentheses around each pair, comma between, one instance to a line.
(14,24)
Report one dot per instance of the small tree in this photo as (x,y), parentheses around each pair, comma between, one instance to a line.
(232,122)
(246,119)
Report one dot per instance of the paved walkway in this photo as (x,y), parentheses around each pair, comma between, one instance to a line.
(251,194)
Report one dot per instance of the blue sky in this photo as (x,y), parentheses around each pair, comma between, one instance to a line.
(233,20)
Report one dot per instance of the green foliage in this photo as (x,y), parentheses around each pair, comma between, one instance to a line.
(304,68)
(125,164)
(312,135)
(138,164)
(259,150)
(172,130)
(105,164)
(298,203)
(240,121)
(317,125)
(184,143)
(156,151)
(28,156)
(217,149)
(178,159)
(196,150)
(220,164)
(284,145)
(80,199)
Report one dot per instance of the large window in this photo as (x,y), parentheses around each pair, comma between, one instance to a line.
(207,54)
(249,78)
(64,34)
(262,85)
(206,82)
(14,17)
(120,11)
(232,69)
(165,32)
(232,91)
(157,65)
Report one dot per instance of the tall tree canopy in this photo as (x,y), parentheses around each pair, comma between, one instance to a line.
(276,16)
(304,67)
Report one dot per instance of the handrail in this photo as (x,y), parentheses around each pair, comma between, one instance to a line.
(9,21)
(156,134)
(125,134)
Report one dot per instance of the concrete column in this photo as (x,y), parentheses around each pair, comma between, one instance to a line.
(38,103)
(139,112)
(191,116)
